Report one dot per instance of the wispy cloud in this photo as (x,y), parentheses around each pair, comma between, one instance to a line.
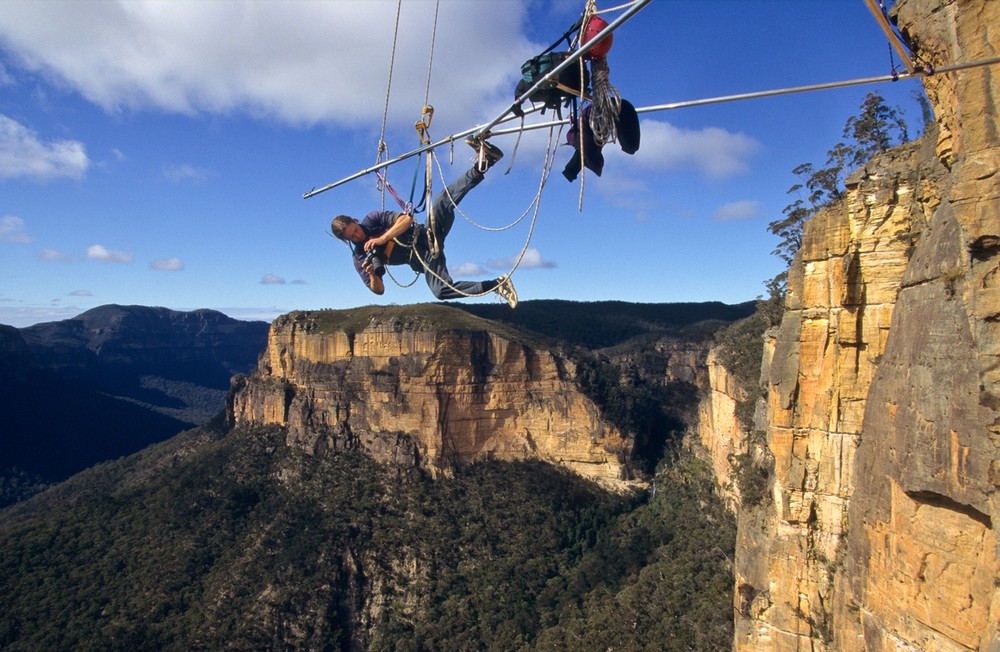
(711,151)
(52,255)
(103,254)
(737,210)
(532,259)
(468,270)
(167,264)
(24,154)
(81,293)
(12,230)
(179,63)
(186,172)
(274,279)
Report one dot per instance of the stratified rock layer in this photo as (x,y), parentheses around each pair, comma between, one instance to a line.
(883,389)
(416,393)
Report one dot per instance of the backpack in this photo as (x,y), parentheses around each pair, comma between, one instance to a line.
(535,68)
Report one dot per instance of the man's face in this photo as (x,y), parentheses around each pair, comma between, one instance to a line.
(354,233)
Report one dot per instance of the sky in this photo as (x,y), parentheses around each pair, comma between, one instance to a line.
(157,152)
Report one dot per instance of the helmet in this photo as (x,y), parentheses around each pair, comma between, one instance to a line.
(591,29)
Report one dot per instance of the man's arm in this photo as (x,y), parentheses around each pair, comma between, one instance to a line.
(398,228)
(375,283)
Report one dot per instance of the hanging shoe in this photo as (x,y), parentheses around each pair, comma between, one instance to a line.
(487,154)
(505,288)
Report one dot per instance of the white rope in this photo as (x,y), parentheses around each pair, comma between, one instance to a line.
(546,170)
(614,9)
(471,221)
(606,103)
(382,147)
(430,58)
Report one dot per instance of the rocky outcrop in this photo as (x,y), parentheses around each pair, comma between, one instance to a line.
(427,386)
(882,386)
(718,435)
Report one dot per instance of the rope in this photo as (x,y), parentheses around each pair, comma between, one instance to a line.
(614,9)
(494,229)
(430,61)
(606,103)
(382,147)
(426,139)
(546,170)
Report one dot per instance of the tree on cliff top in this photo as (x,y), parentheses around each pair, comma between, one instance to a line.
(877,128)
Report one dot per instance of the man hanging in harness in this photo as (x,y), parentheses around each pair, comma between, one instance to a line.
(390,238)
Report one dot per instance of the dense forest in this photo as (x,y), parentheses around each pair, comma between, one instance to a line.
(232,540)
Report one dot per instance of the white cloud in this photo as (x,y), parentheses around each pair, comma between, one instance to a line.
(81,293)
(532,259)
(52,255)
(466,270)
(302,62)
(711,151)
(167,264)
(23,154)
(103,254)
(737,210)
(12,230)
(271,279)
(185,172)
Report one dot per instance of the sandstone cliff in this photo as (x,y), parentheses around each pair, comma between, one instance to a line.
(882,389)
(427,386)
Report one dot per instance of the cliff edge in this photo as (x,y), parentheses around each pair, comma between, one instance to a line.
(375,378)
(883,387)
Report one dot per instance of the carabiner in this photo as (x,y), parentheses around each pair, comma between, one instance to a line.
(424,124)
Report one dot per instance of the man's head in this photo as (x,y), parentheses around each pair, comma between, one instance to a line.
(345,227)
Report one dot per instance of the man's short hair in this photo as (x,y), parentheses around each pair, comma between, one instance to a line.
(339,223)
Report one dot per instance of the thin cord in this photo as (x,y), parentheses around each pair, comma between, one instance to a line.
(546,170)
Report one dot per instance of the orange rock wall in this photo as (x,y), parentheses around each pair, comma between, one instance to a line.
(419,395)
(882,385)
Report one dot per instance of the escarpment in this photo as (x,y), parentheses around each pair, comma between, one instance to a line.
(427,387)
(879,528)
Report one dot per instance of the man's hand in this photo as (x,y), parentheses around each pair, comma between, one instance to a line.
(374,281)
(398,228)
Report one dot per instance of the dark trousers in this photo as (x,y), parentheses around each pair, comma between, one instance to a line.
(438,278)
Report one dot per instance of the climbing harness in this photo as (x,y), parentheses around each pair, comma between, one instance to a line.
(533,208)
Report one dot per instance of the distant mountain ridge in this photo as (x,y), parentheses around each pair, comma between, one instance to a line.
(110,382)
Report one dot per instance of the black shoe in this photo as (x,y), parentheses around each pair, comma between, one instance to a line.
(487,154)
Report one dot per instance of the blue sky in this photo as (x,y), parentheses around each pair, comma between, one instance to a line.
(156,153)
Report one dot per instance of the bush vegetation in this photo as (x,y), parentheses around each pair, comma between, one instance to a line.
(237,541)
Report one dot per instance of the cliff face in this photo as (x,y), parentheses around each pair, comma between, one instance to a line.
(378,386)
(882,383)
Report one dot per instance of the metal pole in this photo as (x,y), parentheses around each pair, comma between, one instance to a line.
(780,91)
(918,73)
(403,157)
(571,59)
(890,34)
(479,131)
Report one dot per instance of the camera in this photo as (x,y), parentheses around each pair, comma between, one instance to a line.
(374,259)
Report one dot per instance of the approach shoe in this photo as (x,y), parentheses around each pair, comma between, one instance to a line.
(487,154)
(505,288)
